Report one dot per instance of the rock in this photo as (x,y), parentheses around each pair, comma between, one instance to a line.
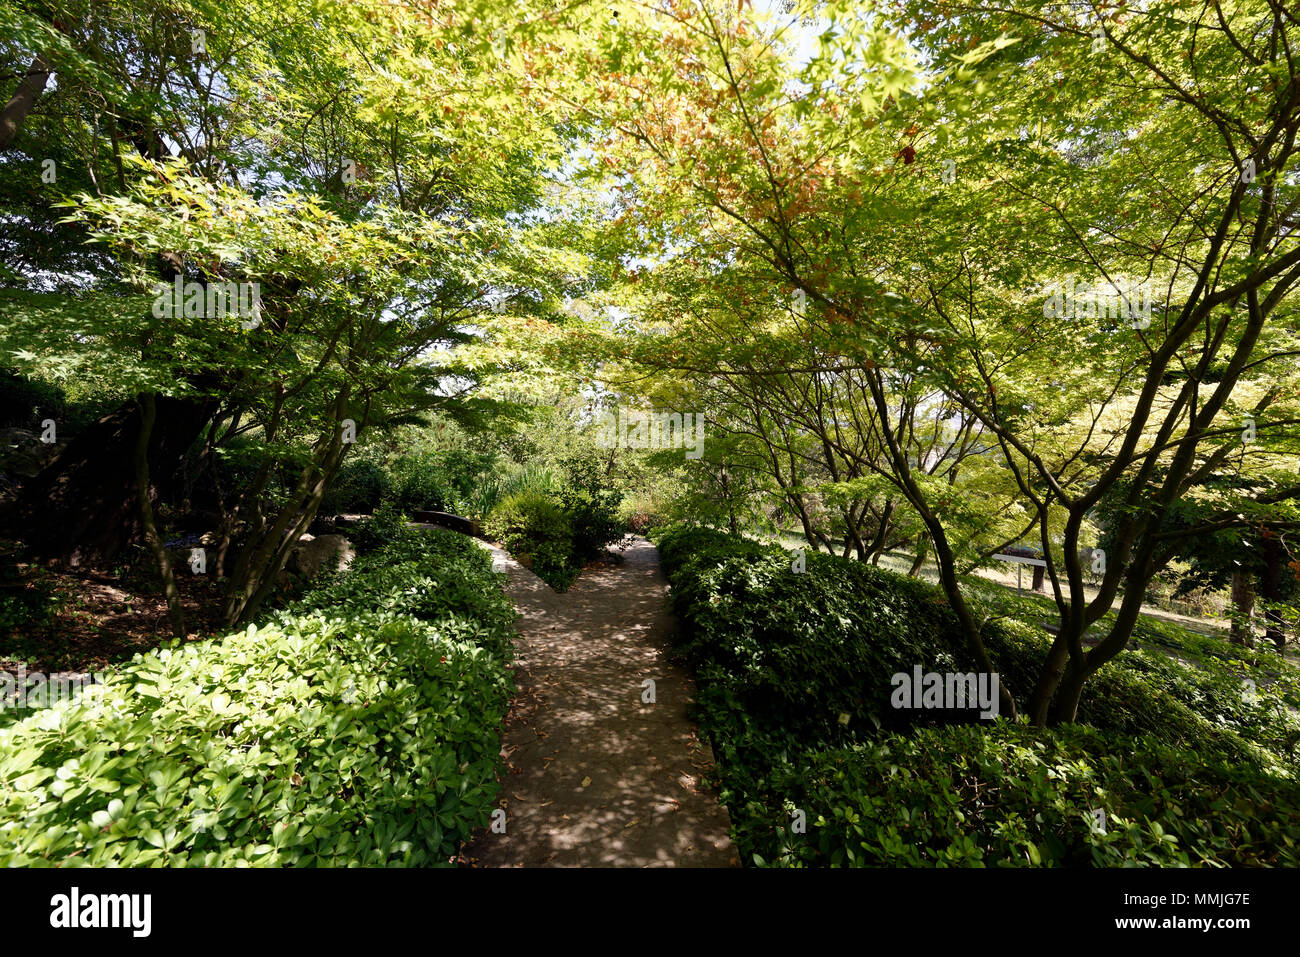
(457,523)
(323,525)
(23,454)
(315,552)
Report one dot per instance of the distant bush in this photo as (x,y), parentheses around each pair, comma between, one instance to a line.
(640,523)
(559,528)
(359,487)
(445,481)
(592,508)
(387,525)
(642,512)
(529,523)
(529,477)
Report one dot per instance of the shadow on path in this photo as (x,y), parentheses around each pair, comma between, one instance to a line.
(579,717)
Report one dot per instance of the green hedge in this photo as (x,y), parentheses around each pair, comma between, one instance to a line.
(1145,694)
(560,530)
(338,735)
(1011,795)
(800,650)
(435,575)
(783,657)
(530,523)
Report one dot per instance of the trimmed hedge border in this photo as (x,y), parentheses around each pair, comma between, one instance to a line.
(358,728)
(1184,772)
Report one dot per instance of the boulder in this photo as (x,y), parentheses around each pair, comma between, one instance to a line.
(23,454)
(314,552)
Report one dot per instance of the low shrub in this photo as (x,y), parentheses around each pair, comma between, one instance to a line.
(794,669)
(387,525)
(804,651)
(433,575)
(26,600)
(337,735)
(530,524)
(1011,795)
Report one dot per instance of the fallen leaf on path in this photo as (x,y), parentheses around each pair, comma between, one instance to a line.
(586,782)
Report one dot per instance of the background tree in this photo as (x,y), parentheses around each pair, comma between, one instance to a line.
(926,233)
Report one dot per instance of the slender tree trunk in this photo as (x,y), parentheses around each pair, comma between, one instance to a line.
(1049,679)
(1270,591)
(271,572)
(922,544)
(882,532)
(264,555)
(726,494)
(1243,609)
(148,415)
(1069,692)
(20,104)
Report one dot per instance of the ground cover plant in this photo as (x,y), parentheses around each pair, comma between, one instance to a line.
(795,667)
(358,727)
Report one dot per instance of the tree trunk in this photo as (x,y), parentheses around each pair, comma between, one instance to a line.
(917,562)
(83,507)
(20,104)
(1049,679)
(148,414)
(267,549)
(726,494)
(1270,590)
(1040,573)
(878,544)
(882,532)
(1068,693)
(1243,609)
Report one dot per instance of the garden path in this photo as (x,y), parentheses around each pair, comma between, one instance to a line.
(595,775)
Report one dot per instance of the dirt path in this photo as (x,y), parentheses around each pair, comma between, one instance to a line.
(595,775)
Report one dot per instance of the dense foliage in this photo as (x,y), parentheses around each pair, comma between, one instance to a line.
(794,670)
(358,728)
(1016,796)
(931,281)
